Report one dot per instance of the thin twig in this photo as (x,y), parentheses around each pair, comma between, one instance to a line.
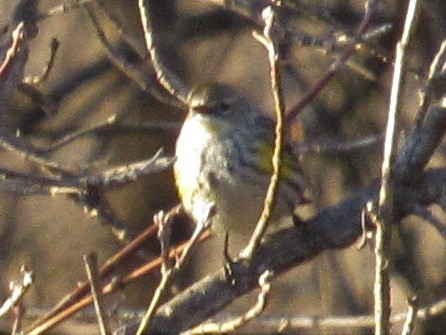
(17,36)
(166,78)
(54,46)
(331,47)
(335,146)
(144,74)
(123,175)
(111,287)
(169,273)
(27,183)
(279,106)
(63,8)
(27,152)
(91,267)
(82,186)
(17,292)
(123,254)
(111,124)
(436,72)
(163,222)
(385,218)
(18,316)
(234,324)
(40,99)
(8,140)
(295,324)
(130,39)
(334,67)
(116,56)
(411,316)
(331,229)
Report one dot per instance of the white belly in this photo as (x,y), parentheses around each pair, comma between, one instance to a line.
(238,202)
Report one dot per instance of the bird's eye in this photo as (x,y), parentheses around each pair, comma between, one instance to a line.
(224,106)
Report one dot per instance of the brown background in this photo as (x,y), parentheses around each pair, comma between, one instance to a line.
(201,44)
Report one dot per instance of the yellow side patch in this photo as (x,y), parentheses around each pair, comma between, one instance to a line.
(265,164)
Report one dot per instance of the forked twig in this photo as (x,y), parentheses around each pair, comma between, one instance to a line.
(168,273)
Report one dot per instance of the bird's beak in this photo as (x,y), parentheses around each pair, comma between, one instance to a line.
(201,109)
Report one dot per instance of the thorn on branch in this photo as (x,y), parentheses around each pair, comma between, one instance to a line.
(368,214)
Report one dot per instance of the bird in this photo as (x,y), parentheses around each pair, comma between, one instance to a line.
(224,158)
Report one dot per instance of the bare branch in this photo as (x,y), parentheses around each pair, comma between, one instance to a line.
(271,46)
(38,98)
(139,75)
(411,315)
(334,67)
(434,84)
(333,228)
(14,54)
(336,146)
(166,78)
(106,269)
(112,286)
(272,324)
(123,175)
(236,323)
(54,46)
(28,183)
(422,142)
(168,274)
(111,125)
(385,218)
(91,266)
(18,316)
(17,292)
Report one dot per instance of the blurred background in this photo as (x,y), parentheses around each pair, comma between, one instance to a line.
(201,42)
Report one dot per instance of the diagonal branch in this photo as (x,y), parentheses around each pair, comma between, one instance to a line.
(333,228)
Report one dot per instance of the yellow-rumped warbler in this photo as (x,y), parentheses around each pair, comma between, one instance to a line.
(224,154)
